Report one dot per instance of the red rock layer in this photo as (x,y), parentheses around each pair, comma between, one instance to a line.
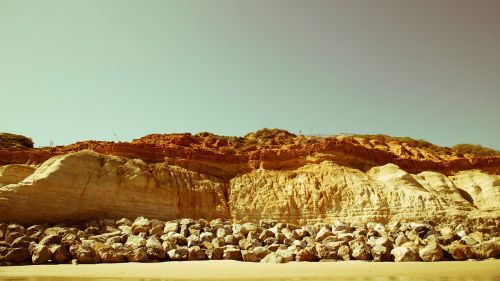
(227,157)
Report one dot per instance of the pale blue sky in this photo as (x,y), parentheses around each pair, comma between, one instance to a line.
(78,70)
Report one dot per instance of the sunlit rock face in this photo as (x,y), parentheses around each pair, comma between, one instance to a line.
(327,192)
(86,185)
(14,173)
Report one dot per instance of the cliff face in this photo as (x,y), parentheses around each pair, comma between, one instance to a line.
(85,185)
(329,192)
(228,157)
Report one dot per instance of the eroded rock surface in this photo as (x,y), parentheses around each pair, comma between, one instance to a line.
(87,185)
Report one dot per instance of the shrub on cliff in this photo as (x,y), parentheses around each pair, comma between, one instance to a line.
(474,149)
(12,140)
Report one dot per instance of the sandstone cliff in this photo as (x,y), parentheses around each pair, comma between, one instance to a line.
(85,185)
(227,157)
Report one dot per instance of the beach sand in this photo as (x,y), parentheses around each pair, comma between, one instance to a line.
(233,270)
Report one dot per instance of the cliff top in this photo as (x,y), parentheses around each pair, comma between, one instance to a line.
(275,149)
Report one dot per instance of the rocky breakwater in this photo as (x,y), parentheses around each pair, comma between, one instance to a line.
(144,240)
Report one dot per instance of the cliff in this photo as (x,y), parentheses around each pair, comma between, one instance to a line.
(269,174)
(227,157)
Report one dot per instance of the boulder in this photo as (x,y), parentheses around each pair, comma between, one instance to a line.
(196,253)
(168,245)
(361,252)
(50,239)
(17,255)
(113,240)
(381,253)
(232,254)
(11,236)
(40,254)
(231,240)
(221,233)
(292,235)
(400,240)
(430,253)
(468,240)
(186,222)
(341,227)
(248,227)
(247,244)
(180,254)
(266,233)
(254,235)
(16,228)
(193,240)
(306,254)
(287,254)
(171,226)
(156,228)
(261,252)
(216,253)
(249,256)
(325,252)
(270,240)
(219,242)
(108,254)
(459,251)
(92,230)
(207,236)
(137,255)
(141,224)
(125,229)
(135,241)
(194,229)
(272,258)
(301,233)
(123,221)
(344,252)
(404,254)
(179,239)
(322,234)
(485,250)
(85,254)
(60,254)
(155,249)
(55,230)
(267,223)
(22,242)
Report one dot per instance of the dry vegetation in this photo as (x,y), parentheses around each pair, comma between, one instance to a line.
(474,149)
(459,149)
(12,140)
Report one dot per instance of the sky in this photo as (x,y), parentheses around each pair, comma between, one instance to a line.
(118,70)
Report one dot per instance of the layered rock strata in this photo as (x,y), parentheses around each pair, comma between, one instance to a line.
(86,185)
(227,157)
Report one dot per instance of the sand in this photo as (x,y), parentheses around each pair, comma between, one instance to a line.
(231,270)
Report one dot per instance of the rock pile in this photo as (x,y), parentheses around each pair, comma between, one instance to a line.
(141,240)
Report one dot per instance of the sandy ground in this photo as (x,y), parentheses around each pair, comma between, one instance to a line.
(230,270)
